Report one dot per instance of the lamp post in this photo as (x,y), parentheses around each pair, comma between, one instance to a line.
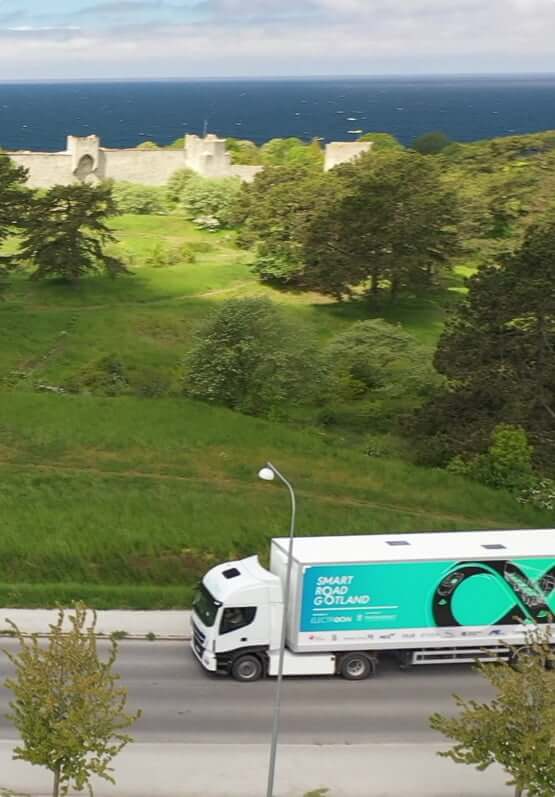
(269,473)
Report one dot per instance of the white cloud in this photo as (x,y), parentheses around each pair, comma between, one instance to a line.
(41,29)
(214,37)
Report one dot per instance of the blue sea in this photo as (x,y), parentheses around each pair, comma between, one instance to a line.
(40,116)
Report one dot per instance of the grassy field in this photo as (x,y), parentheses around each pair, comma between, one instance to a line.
(134,499)
(49,329)
(127,501)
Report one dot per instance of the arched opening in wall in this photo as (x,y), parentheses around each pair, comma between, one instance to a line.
(85,168)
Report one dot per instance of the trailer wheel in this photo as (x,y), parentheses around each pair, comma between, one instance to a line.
(357,667)
(247,668)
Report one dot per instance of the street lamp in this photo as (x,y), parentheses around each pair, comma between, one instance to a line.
(268,473)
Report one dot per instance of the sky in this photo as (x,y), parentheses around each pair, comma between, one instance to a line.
(76,39)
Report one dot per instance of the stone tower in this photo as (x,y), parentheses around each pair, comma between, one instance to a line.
(85,157)
(208,156)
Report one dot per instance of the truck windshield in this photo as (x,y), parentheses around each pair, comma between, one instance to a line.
(206,606)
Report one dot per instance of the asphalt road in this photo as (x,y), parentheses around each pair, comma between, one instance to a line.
(183,704)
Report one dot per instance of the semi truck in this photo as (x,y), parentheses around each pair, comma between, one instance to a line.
(431,598)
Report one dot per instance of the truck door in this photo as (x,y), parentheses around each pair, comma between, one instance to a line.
(243,627)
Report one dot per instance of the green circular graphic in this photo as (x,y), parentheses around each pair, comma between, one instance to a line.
(481,600)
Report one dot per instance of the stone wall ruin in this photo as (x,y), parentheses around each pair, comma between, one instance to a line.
(85,160)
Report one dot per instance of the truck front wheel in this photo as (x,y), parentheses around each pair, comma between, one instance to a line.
(247,668)
(357,667)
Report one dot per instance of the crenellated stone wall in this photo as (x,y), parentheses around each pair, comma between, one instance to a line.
(85,160)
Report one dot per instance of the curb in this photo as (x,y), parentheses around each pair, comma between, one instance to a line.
(165,626)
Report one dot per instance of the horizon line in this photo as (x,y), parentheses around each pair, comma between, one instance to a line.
(266,78)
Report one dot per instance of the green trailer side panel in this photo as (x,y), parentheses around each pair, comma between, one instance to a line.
(419,594)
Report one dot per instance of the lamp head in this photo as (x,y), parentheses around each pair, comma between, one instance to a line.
(266,474)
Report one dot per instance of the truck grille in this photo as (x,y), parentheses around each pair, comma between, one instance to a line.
(198,639)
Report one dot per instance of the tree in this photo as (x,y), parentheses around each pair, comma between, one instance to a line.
(376,358)
(243,152)
(65,232)
(291,152)
(68,705)
(176,185)
(431,143)
(382,141)
(209,201)
(146,145)
(517,728)
(498,354)
(250,357)
(392,220)
(275,211)
(14,200)
(507,464)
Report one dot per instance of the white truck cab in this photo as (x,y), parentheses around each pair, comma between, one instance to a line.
(237,620)
(238,607)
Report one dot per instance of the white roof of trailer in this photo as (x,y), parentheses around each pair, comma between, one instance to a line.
(396,547)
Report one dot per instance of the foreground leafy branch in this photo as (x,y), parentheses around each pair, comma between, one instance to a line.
(517,728)
(68,705)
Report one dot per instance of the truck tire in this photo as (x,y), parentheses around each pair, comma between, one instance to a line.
(247,668)
(357,667)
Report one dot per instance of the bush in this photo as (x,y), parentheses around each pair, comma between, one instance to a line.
(106,376)
(209,202)
(140,199)
(176,185)
(431,143)
(250,357)
(163,256)
(150,383)
(541,494)
(377,359)
(507,464)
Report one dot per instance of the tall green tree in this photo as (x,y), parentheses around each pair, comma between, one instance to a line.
(498,354)
(392,221)
(275,212)
(517,728)
(66,231)
(209,202)
(14,201)
(176,185)
(67,703)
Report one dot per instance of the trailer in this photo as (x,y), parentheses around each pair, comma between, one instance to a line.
(433,598)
